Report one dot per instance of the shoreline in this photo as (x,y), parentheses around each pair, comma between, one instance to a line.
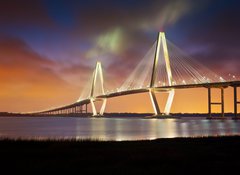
(130,115)
(73,139)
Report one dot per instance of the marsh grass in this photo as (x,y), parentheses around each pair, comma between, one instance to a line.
(213,155)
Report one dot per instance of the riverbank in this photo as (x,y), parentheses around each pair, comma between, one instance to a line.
(129,115)
(191,116)
(213,155)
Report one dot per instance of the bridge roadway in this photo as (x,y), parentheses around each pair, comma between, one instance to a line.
(144,90)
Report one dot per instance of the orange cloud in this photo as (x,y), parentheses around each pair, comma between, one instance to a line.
(27,80)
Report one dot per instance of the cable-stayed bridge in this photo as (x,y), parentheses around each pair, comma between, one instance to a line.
(164,68)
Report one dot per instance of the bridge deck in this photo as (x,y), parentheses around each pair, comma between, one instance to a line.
(165,88)
(144,90)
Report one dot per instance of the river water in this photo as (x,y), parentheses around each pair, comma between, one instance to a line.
(113,128)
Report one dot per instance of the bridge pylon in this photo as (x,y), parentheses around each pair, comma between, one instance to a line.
(161,42)
(97,74)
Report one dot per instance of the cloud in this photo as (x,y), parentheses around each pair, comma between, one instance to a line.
(76,75)
(15,51)
(166,14)
(22,13)
(111,31)
(28,80)
(110,42)
(119,32)
(219,35)
(100,17)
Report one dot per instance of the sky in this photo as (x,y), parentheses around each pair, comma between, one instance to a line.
(48,48)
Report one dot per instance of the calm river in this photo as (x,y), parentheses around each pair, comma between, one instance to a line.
(113,128)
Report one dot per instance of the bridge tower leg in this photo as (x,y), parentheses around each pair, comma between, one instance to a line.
(97,72)
(169,102)
(94,111)
(161,40)
(154,102)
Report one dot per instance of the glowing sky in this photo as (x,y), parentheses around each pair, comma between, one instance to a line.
(48,48)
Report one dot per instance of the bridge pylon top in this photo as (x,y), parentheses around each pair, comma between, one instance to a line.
(161,42)
(97,78)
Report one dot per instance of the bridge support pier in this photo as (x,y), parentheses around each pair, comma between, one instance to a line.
(81,109)
(235,101)
(210,103)
(86,108)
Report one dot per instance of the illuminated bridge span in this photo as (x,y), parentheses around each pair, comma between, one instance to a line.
(171,69)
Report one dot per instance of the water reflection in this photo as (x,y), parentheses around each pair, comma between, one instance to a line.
(113,128)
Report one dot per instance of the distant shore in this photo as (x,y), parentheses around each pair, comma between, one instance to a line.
(208,155)
(124,115)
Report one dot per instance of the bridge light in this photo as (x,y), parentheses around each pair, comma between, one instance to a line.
(221,79)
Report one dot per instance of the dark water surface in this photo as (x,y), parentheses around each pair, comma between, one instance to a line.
(113,128)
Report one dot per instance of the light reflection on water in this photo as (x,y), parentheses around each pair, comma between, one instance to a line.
(113,128)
